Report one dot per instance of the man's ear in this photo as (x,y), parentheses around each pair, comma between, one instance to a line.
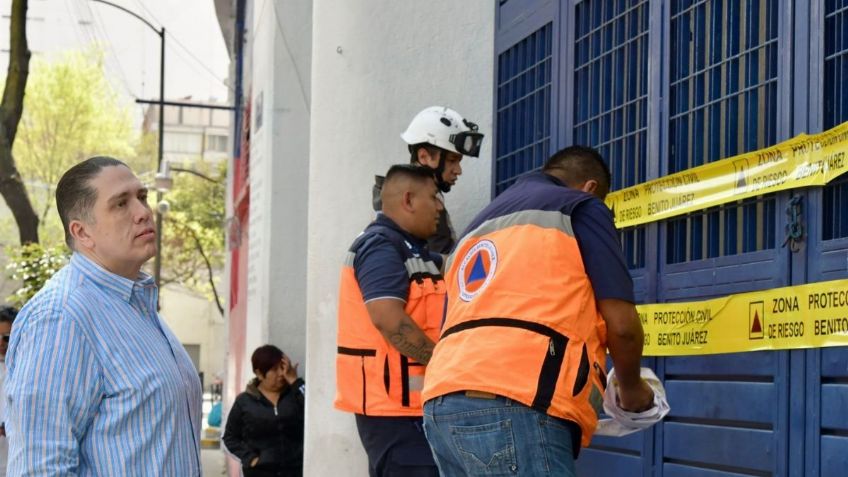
(407,201)
(425,159)
(589,186)
(80,234)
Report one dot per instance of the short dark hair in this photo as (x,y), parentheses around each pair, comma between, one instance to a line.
(266,357)
(580,164)
(74,195)
(8,314)
(411,171)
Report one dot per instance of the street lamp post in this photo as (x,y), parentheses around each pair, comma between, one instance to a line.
(157,261)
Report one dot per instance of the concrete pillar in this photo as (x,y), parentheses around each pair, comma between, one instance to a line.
(374,65)
(279,167)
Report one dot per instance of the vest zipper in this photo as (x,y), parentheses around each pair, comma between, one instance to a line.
(364,412)
(404,381)
(387,378)
(602,375)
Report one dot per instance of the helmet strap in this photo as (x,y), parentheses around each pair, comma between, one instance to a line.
(438,170)
(440,181)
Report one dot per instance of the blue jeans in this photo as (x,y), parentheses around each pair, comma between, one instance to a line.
(479,436)
(396,447)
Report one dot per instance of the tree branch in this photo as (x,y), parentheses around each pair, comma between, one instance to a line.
(199,246)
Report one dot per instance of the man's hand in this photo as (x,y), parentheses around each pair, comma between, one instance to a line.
(390,318)
(254,461)
(638,398)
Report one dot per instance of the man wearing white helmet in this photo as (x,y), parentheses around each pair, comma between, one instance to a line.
(438,137)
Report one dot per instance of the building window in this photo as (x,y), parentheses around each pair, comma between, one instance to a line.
(523,108)
(722,102)
(611,95)
(216,143)
(834,197)
(185,143)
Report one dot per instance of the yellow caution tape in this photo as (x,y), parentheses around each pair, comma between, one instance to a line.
(803,161)
(804,316)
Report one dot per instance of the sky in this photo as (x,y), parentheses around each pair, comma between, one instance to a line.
(195,55)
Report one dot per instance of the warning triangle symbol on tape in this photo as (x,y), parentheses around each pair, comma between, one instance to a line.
(756,327)
(741,183)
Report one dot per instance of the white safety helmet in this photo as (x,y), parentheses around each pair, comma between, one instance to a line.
(444,128)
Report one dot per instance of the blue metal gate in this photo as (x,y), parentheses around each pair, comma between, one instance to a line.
(660,86)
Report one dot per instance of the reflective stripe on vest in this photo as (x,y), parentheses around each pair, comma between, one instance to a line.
(372,377)
(522,321)
(541,218)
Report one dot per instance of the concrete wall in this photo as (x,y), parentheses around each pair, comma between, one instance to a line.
(279,85)
(374,65)
(195,320)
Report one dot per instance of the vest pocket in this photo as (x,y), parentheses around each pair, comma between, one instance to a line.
(361,353)
(549,374)
(387,375)
(426,306)
(582,373)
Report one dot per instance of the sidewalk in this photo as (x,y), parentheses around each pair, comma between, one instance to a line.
(212,458)
(213,462)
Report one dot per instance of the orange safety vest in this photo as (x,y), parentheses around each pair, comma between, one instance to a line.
(522,321)
(372,377)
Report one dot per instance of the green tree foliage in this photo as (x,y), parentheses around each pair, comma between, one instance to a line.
(33,265)
(71,112)
(193,241)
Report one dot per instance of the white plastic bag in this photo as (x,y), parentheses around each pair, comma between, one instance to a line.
(621,422)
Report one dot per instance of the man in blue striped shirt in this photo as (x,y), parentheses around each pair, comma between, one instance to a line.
(97,384)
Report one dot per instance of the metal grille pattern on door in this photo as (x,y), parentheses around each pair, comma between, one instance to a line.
(835,198)
(723,101)
(611,96)
(523,107)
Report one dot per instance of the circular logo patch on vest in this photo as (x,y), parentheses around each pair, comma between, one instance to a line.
(477,269)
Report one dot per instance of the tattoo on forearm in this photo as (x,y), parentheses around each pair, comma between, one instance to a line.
(412,342)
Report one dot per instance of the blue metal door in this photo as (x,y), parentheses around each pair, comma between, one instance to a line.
(660,86)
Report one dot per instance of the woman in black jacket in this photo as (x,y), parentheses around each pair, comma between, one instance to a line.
(265,425)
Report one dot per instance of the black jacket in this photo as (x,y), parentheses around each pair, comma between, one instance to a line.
(256,429)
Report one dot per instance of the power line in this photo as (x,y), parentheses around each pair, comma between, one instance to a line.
(181,45)
(149,13)
(99,25)
(198,60)
(76,22)
(258,27)
(294,63)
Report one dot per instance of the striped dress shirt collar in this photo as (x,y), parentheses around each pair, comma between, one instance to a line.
(122,286)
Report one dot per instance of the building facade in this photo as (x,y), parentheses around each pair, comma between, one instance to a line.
(658,86)
(192,134)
